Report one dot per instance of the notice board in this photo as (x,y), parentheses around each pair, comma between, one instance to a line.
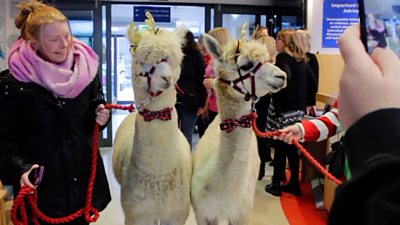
(337,16)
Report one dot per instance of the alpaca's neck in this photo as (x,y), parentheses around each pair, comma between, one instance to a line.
(156,128)
(231,103)
(156,144)
(234,145)
(156,141)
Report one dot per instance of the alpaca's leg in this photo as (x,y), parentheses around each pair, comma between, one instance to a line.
(179,220)
(203,220)
(175,221)
(141,220)
(239,221)
(176,218)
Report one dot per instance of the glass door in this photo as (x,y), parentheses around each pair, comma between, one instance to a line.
(287,18)
(233,18)
(168,17)
(121,69)
(86,21)
(234,22)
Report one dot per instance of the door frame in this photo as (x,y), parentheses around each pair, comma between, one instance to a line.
(105,138)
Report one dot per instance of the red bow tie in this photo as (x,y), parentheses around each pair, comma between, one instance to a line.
(230,124)
(164,114)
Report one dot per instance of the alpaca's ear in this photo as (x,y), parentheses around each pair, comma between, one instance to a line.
(213,47)
(134,37)
(180,33)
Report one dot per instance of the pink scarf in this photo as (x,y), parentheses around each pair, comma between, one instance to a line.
(65,80)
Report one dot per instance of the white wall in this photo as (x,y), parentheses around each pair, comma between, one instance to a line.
(314,25)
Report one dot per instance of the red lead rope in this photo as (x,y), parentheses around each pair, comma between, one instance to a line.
(298,145)
(91,214)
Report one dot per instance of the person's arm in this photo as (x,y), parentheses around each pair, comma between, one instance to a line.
(200,71)
(102,115)
(366,89)
(370,109)
(322,127)
(282,63)
(312,87)
(282,97)
(317,129)
(314,65)
(12,160)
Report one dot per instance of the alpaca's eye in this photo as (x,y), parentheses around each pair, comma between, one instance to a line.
(247,66)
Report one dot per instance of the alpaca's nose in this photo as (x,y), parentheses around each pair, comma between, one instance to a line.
(282,77)
(166,82)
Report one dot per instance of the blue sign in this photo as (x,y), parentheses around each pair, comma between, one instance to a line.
(160,14)
(338,15)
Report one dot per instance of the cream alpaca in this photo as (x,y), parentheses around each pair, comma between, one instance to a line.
(225,164)
(152,159)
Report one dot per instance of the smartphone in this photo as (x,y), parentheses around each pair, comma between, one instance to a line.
(35,176)
(380,24)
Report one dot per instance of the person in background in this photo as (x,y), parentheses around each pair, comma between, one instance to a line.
(370,112)
(260,32)
(264,144)
(305,43)
(288,106)
(270,43)
(50,100)
(377,30)
(223,36)
(192,95)
(203,117)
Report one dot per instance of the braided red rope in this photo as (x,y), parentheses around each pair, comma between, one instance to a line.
(298,145)
(91,214)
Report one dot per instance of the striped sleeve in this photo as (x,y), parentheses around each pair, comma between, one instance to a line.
(322,127)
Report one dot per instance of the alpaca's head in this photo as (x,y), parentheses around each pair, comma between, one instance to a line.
(157,56)
(246,59)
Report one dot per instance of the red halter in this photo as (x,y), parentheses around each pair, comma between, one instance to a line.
(251,74)
(148,75)
(244,121)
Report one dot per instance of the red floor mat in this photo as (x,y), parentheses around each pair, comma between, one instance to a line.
(300,210)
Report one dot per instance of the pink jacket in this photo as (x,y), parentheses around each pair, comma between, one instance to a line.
(212,97)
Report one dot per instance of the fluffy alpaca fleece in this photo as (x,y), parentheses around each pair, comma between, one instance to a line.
(225,165)
(152,159)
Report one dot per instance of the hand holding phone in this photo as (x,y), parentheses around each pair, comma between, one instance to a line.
(35,176)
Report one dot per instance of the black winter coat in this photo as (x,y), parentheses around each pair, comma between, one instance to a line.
(314,65)
(191,81)
(36,127)
(371,196)
(301,85)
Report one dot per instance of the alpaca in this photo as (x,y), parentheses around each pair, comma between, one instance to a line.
(152,159)
(226,162)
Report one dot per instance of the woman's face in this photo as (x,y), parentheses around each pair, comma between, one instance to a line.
(55,42)
(279,44)
(262,33)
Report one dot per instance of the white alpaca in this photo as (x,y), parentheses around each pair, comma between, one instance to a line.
(152,159)
(226,163)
